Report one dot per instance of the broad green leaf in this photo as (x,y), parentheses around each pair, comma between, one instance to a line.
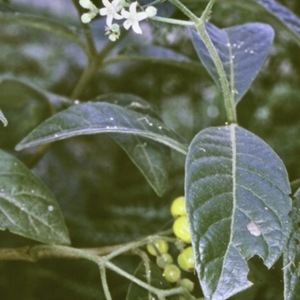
(24,107)
(150,157)
(291,256)
(190,66)
(92,118)
(157,52)
(42,23)
(131,102)
(242,50)
(27,207)
(286,17)
(238,203)
(135,292)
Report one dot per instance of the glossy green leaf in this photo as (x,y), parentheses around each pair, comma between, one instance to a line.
(131,102)
(181,64)
(291,256)
(151,158)
(135,292)
(238,206)
(154,55)
(286,17)
(45,24)
(92,118)
(242,50)
(27,207)
(24,107)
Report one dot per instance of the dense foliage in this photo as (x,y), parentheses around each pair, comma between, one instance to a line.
(102,136)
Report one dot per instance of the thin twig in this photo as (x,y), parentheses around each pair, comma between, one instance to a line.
(104,282)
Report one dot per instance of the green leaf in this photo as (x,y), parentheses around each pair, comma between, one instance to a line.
(291,256)
(154,55)
(24,106)
(42,23)
(282,14)
(151,158)
(238,203)
(27,207)
(242,50)
(181,64)
(92,118)
(135,292)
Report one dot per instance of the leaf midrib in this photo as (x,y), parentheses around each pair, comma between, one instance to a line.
(232,129)
(231,63)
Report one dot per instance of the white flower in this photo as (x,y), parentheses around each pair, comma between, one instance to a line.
(133,17)
(93,11)
(111,11)
(113,32)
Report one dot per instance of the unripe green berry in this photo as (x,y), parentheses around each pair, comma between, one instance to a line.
(187,284)
(158,247)
(163,260)
(172,273)
(178,207)
(186,259)
(181,229)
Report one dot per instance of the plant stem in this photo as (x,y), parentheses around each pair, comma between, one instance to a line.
(86,31)
(160,293)
(95,61)
(185,10)
(85,77)
(104,282)
(173,21)
(199,24)
(37,252)
(228,101)
(227,94)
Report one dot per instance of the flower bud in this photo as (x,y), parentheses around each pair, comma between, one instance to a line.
(151,11)
(85,3)
(86,18)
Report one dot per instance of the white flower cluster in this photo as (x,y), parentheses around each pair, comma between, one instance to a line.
(116,10)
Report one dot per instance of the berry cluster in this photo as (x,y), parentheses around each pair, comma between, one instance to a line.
(185,259)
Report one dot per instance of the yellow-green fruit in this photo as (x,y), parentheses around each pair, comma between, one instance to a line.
(178,207)
(163,260)
(158,247)
(181,229)
(188,284)
(186,259)
(172,273)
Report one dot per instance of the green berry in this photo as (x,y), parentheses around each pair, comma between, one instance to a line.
(172,273)
(178,207)
(187,284)
(163,260)
(181,229)
(158,247)
(186,259)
